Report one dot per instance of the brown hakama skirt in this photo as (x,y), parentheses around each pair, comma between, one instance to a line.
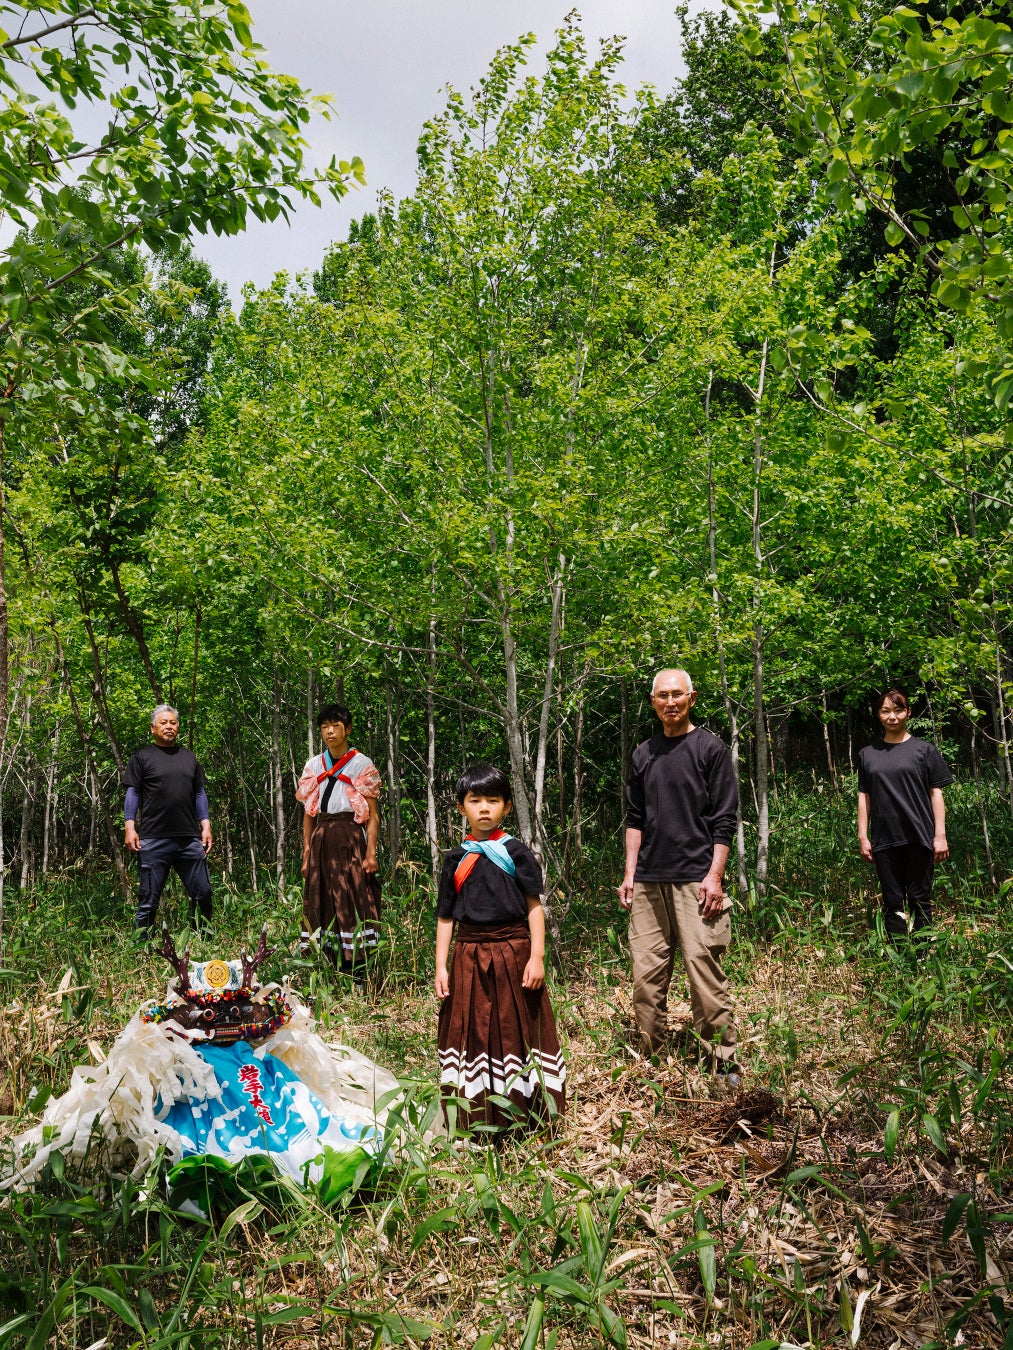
(499,1053)
(341,902)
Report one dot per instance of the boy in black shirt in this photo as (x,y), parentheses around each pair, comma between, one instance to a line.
(497,1035)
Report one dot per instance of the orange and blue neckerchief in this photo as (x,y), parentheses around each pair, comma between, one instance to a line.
(332,770)
(494,848)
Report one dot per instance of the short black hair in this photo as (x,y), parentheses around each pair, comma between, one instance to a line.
(334,712)
(485,780)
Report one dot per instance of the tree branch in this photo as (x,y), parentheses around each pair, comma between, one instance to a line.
(74,19)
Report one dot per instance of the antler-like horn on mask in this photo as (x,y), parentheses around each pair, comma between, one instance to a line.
(250,963)
(181,963)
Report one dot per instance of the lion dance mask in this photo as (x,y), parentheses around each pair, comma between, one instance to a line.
(222,1068)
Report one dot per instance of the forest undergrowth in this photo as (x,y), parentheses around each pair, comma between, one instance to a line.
(854,1191)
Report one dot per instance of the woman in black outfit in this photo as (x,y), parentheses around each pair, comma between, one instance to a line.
(901,815)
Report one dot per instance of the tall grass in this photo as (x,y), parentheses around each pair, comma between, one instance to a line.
(856,1192)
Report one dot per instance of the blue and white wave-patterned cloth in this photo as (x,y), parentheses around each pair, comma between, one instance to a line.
(264,1108)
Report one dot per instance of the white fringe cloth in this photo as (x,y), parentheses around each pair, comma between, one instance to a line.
(111,1106)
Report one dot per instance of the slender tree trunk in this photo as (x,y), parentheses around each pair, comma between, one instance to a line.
(277,785)
(624,733)
(762,757)
(463,736)
(512,721)
(515,735)
(774,749)
(250,842)
(730,712)
(851,740)
(50,804)
(578,772)
(1004,750)
(431,833)
(85,740)
(826,740)
(311,721)
(193,682)
(393,781)
(27,802)
(541,752)
(98,686)
(761,742)
(560,759)
(982,813)
(27,811)
(136,630)
(93,792)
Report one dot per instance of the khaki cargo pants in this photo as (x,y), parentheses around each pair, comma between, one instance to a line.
(662,915)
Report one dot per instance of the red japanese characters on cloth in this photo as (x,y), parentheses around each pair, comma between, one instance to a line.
(249,1076)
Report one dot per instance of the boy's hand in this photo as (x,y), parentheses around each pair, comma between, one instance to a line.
(865,849)
(441,984)
(369,863)
(534,973)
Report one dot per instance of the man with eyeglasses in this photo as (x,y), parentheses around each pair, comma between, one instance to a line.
(680,819)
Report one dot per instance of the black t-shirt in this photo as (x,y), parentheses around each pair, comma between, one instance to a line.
(167,781)
(682,795)
(490,895)
(898,780)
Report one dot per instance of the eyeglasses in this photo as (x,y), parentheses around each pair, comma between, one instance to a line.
(676,696)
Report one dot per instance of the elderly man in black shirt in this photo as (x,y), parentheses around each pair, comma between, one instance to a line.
(166,786)
(680,820)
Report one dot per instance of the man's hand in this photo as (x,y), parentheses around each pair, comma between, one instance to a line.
(940,848)
(441,985)
(369,863)
(865,849)
(534,973)
(205,836)
(626,893)
(131,838)
(305,861)
(712,895)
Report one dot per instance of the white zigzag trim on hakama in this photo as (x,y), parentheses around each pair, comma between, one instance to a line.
(362,937)
(471,1077)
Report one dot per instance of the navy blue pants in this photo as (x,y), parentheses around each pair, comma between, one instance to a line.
(905,877)
(185,857)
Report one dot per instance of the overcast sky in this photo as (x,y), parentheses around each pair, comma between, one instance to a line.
(386,63)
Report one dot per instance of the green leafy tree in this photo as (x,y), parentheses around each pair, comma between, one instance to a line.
(927,81)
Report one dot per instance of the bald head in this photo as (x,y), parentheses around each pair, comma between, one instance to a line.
(670,679)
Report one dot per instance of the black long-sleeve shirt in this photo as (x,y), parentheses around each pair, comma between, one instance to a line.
(682,795)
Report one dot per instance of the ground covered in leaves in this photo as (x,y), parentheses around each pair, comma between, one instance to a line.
(854,1190)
